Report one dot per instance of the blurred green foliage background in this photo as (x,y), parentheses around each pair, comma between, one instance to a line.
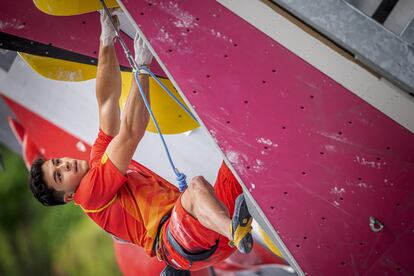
(38,240)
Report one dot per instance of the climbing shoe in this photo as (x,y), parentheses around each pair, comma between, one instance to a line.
(241,226)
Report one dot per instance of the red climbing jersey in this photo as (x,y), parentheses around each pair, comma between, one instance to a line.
(128,206)
(131,207)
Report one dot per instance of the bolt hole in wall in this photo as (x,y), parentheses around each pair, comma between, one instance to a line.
(83,22)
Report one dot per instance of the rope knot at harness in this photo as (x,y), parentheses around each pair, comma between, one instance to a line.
(182,183)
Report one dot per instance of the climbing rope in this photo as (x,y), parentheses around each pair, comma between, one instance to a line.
(180,177)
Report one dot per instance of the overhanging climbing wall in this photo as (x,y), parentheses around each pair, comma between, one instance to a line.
(318,160)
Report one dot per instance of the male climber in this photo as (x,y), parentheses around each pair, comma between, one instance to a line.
(188,231)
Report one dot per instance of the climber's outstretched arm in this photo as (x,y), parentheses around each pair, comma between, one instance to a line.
(133,124)
(108,79)
(135,117)
(108,90)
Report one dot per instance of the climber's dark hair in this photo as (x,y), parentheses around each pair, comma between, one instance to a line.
(41,191)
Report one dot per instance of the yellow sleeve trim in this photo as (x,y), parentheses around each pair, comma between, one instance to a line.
(100,209)
(104,158)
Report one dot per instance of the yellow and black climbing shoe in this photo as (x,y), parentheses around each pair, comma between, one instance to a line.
(241,226)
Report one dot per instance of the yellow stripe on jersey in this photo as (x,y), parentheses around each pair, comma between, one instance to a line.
(104,158)
(100,209)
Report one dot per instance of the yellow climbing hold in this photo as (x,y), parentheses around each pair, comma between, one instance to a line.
(57,69)
(266,239)
(172,119)
(71,7)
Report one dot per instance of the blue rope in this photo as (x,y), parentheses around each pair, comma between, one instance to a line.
(180,177)
(169,93)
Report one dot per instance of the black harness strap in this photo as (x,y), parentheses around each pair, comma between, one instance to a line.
(162,221)
(204,255)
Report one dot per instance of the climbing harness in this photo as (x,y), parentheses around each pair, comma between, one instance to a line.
(180,177)
(190,257)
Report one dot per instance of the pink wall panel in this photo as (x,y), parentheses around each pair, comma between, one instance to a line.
(318,160)
(79,33)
